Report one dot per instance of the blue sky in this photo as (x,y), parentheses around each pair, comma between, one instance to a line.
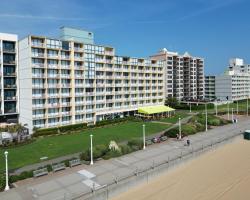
(213,29)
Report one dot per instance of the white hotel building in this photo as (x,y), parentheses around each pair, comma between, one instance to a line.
(71,80)
(233,85)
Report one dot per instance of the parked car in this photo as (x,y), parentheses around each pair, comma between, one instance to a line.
(156,140)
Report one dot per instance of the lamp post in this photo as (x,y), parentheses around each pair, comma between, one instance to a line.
(91,150)
(227,110)
(144,139)
(179,128)
(206,114)
(7,187)
(190,107)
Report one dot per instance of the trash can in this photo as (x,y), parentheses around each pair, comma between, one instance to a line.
(247,135)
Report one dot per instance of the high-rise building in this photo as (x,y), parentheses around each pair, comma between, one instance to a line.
(9,78)
(210,88)
(71,80)
(184,75)
(232,85)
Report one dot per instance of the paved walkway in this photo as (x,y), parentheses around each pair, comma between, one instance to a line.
(82,179)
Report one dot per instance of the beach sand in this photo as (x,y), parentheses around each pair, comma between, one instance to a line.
(221,174)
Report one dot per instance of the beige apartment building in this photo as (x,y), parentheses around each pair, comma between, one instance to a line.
(184,75)
(71,80)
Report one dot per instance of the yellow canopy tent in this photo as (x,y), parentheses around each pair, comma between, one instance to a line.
(155,110)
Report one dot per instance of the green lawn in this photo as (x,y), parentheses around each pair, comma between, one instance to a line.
(56,146)
(174,119)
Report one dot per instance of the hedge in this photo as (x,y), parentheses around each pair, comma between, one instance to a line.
(58,130)
(78,127)
(2,182)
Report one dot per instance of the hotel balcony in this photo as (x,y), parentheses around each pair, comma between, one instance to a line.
(52,56)
(38,96)
(37,65)
(65,104)
(38,116)
(8,50)
(53,86)
(65,66)
(37,44)
(90,111)
(37,106)
(10,86)
(63,57)
(53,105)
(67,76)
(78,58)
(65,94)
(38,55)
(53,95)
(79,49)
(80,111)
(53,114)
(66,122)
(9,74)
(10,98)
(53,75)
(66,113)
(38,76)
(79,102)
(65,85)
(53,66)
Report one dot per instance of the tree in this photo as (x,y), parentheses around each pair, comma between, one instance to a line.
(172,102)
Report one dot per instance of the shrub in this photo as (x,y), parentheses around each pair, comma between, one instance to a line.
(2,182)
(112,154)
(200,127)
(135,143)
(98,152)
(172,133)
(188,129)
(22,176)
(125,149)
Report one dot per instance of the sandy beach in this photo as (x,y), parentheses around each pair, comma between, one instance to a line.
(222,174)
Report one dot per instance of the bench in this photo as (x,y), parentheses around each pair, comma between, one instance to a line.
(40,172)
(74,162)
(148,142)
(164,138)
(58,167)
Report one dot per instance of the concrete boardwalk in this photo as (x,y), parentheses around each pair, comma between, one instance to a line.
(82,179)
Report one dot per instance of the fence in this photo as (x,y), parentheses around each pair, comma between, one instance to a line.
(153,169)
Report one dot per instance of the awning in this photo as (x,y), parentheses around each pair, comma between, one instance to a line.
(154,109)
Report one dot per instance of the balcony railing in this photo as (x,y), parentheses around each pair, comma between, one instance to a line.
(11,86)
(37,44)
(38,65)
(10,98)
(38,55)
(9,50)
